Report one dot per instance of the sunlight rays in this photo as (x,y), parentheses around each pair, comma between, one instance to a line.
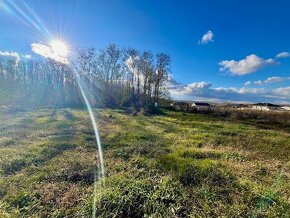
(26,16)
(56,51)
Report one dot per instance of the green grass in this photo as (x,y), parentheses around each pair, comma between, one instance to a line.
(170,165)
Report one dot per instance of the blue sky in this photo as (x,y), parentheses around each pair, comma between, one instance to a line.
(245,38)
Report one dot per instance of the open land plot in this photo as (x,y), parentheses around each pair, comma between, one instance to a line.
(170,165)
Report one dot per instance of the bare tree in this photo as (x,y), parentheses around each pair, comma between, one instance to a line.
(163,63)
(112,75)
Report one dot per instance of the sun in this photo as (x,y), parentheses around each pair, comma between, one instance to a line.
(59,48)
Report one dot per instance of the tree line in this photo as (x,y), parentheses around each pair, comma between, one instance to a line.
(112,76)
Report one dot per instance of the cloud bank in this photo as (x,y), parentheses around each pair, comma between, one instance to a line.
(14,55)
(204,91)
(270,80)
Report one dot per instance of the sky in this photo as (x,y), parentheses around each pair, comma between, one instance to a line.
(230,50)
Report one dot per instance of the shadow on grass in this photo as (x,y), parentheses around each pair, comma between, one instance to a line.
(37,157)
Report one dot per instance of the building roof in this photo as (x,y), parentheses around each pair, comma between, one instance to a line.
(179,103)
(266,105)
(201,104)
(242,105)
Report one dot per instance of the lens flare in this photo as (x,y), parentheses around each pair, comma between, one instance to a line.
(25,15)
(59,48)
(56,50)
(101,166)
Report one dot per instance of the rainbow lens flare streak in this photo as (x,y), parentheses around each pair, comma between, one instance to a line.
(29,19)
(101,167)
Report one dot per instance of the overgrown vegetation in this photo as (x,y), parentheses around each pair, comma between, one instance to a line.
(171,164)
(265,119)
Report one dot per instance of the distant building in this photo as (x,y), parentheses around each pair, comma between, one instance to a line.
(179,105)
(285,107)
(242,107)
(265,107)
(201,106)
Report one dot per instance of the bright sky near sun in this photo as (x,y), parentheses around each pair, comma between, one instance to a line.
(221,50)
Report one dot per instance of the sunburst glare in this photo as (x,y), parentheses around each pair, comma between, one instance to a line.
(59,48)
(56,50)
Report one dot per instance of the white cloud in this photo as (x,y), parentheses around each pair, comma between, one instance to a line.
(47,52)
(207,37)
(200,85)
(204,91)
(259,82)
(249,64)
(274,79)
(247,83)
(13,55)
(178,89)
(283,55)
(134,65)
(26,56)
(283,92)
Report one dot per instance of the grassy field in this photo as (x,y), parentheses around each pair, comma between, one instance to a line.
(171,165)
